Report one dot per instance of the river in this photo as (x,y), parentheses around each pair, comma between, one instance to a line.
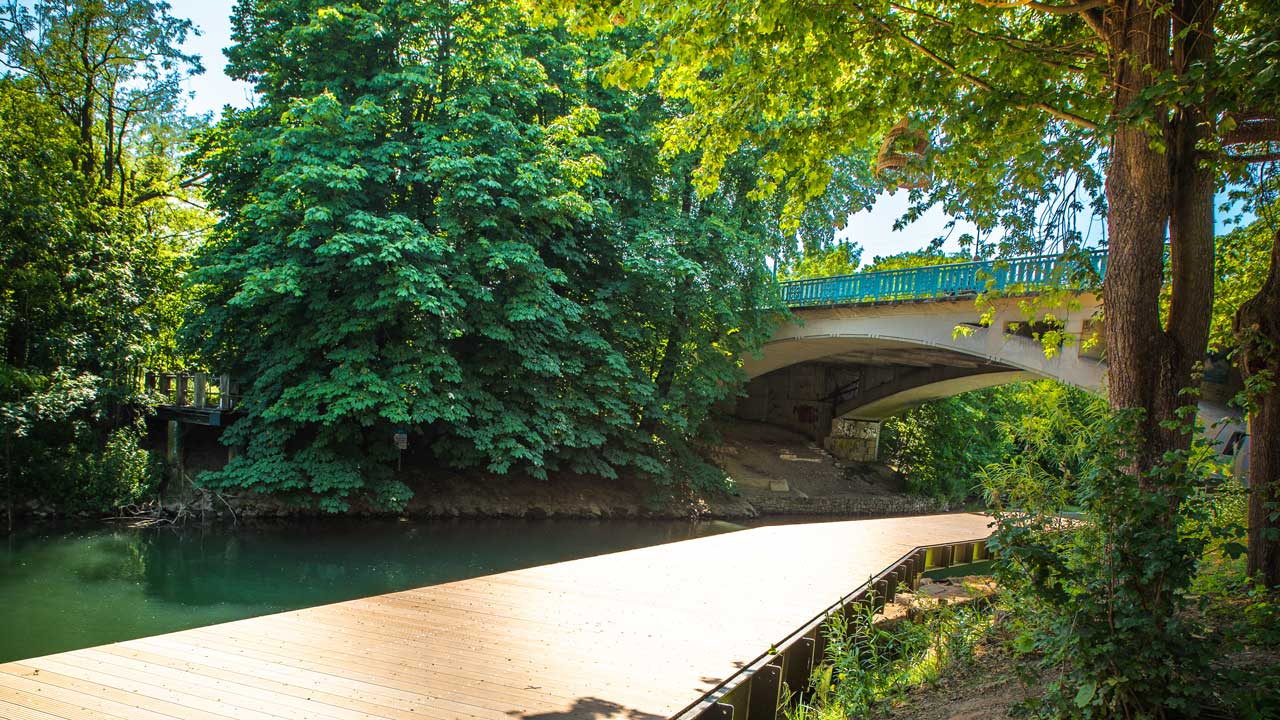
(68,590)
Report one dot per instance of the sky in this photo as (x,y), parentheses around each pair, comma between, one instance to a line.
(872,229)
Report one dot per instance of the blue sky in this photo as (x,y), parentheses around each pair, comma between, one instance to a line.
(872,229)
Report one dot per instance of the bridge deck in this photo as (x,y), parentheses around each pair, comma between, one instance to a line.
(639,634)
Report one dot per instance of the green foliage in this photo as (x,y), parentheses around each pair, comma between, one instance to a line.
(96,218)
(841,259)
(446,225)
(96,223)
(868,664)
(943,446)
(1243,256)
(939,447)
(844,258)
(1105,597)
(918,258)
(1242,617)
(1005,98)
(1014,100)
(58,450)
(1019,104)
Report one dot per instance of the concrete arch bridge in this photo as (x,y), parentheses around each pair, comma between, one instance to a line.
(860,348)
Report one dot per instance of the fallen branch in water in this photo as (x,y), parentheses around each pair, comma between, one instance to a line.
(152,513)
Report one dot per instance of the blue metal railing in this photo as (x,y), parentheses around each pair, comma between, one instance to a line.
(1017,275)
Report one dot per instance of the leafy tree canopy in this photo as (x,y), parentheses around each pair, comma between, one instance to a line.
(999,112)
(840,259)
(437,221)
(916,258)
(97,219)
(1241,267)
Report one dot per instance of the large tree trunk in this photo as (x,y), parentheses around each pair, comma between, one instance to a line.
(1141,359)
(1257,325)
(1191,230)
(1150,191)
(1154,193)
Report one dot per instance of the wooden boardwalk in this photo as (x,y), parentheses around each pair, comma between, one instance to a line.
(641,634)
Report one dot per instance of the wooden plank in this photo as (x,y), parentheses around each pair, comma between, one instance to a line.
(449,680)
(99,707)
(78,666)
(24,711)
(242,673)
(201,393)
(53,706)
(321,687)
(100,690)
(641,634)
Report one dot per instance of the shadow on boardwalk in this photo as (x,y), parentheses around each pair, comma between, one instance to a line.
(590,708)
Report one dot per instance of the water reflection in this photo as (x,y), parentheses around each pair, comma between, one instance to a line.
(73,590)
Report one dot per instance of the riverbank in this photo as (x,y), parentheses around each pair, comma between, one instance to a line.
(463,498)
(772,471)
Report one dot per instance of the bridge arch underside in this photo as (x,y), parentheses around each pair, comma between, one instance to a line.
(837,389)
(834,372)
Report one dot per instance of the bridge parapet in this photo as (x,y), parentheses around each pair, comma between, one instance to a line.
(1012,275)
(925,334)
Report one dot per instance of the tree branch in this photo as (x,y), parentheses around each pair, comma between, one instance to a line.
(979,83)
(1096,21)
(1255,157)
(1070,9)
(1037,51)
(1089,10)
(184,184)
(1253,128)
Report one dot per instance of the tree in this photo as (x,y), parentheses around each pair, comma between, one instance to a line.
(1019,102)
(917,258)
(1253,75)
(1006,113)
(96,221)
(842,259)
(114,71)
(1257,326)
(102,80)
(1024,106)
(447,228)
(1244,327)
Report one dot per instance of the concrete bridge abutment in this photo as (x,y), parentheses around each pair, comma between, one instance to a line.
(808,398)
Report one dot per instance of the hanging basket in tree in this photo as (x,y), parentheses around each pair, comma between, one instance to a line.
(901,160)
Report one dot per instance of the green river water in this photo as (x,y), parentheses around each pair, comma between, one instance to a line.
(68,590)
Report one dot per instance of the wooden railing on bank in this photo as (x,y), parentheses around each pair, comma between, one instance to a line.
(196,397)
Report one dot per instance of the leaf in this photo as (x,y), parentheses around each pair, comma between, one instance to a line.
(1024,643)
(1085,694)
(1234,550)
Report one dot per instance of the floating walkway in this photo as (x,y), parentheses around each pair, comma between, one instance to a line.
(705,628)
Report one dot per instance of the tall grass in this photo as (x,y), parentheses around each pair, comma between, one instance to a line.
(867,664)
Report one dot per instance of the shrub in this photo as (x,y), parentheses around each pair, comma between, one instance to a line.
(60,450)
(1104,598)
